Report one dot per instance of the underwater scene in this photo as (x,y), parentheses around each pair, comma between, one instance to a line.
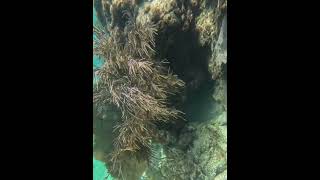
(160,89)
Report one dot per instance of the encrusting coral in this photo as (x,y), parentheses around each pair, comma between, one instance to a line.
(138,84)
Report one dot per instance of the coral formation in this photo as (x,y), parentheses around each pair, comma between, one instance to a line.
(162,57)
(205,25)
(218,60)
(218,65)
(136,83)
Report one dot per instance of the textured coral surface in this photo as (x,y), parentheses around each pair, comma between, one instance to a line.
(139,131)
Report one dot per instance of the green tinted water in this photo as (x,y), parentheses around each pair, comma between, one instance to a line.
(100,171)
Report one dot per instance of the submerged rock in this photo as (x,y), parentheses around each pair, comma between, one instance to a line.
(218,59)
(210,147)
(192,36)
(200,153)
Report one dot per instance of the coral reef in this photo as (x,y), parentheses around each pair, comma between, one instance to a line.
(161,57)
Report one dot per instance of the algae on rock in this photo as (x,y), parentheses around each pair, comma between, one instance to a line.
(199,153)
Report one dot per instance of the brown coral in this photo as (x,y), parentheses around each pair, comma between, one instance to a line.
(137,84)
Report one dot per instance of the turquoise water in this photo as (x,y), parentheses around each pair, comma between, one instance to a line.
(100,171)
(96,61)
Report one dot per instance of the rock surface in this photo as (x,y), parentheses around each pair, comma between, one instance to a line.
(200,153)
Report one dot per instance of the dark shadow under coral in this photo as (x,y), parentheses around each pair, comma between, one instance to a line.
(189,60)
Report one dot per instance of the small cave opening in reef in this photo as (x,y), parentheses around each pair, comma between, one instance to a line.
(189,60)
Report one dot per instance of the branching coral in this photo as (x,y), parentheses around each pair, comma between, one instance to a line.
(138,84)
